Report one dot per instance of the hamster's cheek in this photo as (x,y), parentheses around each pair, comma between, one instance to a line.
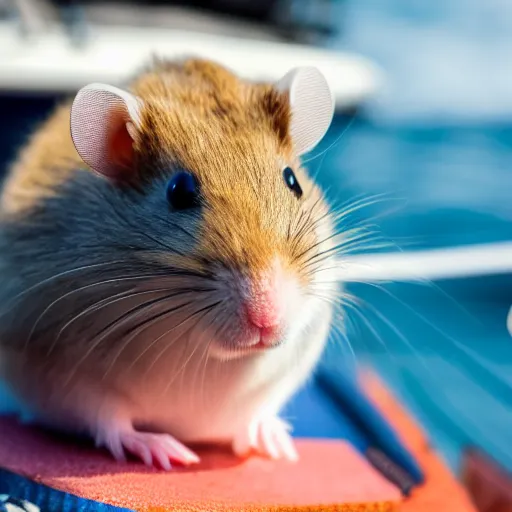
(304,316)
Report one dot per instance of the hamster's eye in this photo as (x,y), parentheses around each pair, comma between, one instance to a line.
(291,182)
(183,191)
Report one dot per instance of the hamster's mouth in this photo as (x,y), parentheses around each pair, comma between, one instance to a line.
(252,340)
(268,337)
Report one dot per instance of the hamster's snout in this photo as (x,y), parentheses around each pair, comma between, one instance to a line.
(260,308)
(263,305)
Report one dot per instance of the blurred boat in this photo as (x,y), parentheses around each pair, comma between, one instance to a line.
(42,52)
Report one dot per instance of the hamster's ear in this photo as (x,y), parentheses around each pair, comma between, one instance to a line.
(104,124)
(311,105)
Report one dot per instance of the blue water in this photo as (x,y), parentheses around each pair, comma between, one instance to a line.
(437,141)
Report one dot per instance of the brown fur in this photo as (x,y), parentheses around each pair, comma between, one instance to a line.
(197,114)
(48,159)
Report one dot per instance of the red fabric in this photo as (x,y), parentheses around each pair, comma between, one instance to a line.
(331,476)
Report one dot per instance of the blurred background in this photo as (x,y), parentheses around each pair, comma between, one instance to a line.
(424,120)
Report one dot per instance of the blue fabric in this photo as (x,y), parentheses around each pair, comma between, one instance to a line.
(16,488)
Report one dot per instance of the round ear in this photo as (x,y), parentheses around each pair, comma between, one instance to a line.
(104,123)
(312,106)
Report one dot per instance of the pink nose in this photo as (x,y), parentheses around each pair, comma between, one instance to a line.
(263,316)
(262,303)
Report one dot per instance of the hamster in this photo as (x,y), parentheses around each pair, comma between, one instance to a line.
(167,263)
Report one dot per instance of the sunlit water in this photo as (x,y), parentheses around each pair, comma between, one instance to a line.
(437,140)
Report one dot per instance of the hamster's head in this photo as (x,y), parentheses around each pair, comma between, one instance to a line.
(216,163)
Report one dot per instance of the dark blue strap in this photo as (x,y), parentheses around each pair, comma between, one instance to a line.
(332,405)
(382,446)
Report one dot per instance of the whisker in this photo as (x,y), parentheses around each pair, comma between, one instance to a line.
(155,320)
(202,363)
(353,305)
(354,205)
(175,226)
(216,334)
(338,138)
(429,374)
(471,358)
(400,335)
(144,324)
(334,254)
(347,236)
(336,216)
(339,310)
(168,248)
(297,223)
(106,302)
(197,343)
(98,340)
(361,230)
(139,308)
(317,172)
(57,276)
(302,228)
(429,282)
(344,342)
(204,310)
(80,289)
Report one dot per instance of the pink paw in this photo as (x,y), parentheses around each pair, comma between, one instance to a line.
(267,436)
(150,448)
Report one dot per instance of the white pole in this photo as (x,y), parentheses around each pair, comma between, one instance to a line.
(458,262)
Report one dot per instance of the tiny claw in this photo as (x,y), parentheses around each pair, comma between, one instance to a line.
(148,447)
(267,443)
(181,452)
(269,437)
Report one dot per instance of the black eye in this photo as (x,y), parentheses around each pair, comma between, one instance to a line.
(291,182)
(183,191)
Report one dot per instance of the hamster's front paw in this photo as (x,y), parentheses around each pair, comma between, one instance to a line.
(150,448)
(267,436)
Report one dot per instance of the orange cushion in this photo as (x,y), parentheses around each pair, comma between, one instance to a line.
(331,475)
